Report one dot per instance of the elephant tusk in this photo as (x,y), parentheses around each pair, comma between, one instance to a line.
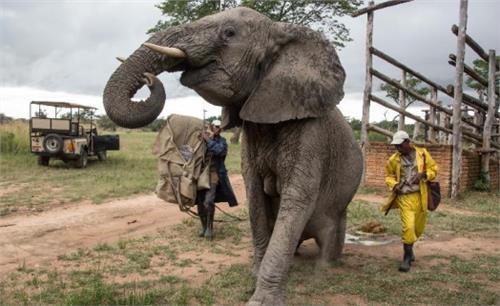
(121,59)
(148,78)
(170,52)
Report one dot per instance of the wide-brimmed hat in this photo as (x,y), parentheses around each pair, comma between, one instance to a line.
(399,137)
(216,123)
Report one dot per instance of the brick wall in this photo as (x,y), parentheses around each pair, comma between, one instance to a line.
(379,153)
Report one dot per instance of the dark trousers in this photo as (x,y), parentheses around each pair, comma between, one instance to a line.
(206,210)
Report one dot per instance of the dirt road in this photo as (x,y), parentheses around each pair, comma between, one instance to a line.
(39,238)
(36,240)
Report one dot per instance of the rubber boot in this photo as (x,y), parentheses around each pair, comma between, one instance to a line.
(203,228)
(209,232)
(412,254)
(405,265)
(202,214)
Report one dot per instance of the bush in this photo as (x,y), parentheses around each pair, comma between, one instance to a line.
(14,138)
(482,183)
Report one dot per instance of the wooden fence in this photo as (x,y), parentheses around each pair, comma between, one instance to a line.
(443,125)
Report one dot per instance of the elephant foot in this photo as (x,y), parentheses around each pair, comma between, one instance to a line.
(261,297)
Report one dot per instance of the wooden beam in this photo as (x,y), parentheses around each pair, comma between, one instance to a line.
(473,45)
(469,136)
(456,169)
(368,89)
(371,7)
(380,130)
(406,113)
(412,93)
(396,63)
(471,101)
(471,72)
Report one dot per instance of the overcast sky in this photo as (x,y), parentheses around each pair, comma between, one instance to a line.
(65,50)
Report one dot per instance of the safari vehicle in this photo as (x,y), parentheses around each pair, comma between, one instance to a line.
(66,135)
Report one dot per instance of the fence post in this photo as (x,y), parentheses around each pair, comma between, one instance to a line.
(368,88)
(490,117)
(457,102)
(402,101)
(432,115)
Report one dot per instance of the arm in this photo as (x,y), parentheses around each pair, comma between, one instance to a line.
(431,166)
(217,148)
(390,175)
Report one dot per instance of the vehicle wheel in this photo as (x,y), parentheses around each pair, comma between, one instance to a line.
(43,160)
(82,161)
(53,143)
(102,155)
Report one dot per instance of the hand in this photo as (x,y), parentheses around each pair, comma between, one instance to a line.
(206,135)
(398,188)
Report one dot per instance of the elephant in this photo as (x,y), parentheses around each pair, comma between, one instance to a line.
(281,83)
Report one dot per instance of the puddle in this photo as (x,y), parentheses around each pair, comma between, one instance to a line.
(368,239)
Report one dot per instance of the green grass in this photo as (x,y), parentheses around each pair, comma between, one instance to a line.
(101,275)
(14,138)
(131,170)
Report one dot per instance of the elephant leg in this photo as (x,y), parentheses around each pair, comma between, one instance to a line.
(258,206)
(298,202)
(332,236)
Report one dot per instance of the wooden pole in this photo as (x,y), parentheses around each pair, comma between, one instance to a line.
(457,102)
(449,90)
(411,92)
(470,136)
(473,44)
(471,73)
(402,101)
(372,7)
(416,130)
(380,130)
(368,88)
(432,115)
(442,122)
(488,123)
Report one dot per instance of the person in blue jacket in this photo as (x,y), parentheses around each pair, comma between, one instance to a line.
(220,187)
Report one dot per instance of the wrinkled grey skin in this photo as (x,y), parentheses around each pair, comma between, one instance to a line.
(300,161)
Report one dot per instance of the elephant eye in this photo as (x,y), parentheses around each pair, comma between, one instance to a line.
(229,32)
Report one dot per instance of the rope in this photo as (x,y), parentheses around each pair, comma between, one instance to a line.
(194,214)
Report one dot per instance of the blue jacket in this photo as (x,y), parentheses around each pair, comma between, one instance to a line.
(218,148)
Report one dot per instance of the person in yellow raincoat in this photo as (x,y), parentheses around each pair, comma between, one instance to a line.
(407,172)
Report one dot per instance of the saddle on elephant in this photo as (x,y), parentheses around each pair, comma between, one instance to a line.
(181,160)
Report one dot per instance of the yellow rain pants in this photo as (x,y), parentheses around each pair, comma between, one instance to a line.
(413,216)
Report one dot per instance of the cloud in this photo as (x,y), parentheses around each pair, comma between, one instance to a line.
(70,47)
(15,102)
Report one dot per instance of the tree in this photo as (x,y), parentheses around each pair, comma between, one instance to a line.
(106,123)
(5,119)
(411,83)
(481,67)
(156,125)
(320,15)
(392,92)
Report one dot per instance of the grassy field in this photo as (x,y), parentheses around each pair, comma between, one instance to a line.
(153,269)
(27,186)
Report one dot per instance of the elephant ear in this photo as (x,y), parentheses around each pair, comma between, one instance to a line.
(230,117)
(305,79)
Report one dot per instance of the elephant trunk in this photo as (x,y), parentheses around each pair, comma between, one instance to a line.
(138,69)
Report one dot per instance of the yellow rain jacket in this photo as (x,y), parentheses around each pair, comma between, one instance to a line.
(393,176)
